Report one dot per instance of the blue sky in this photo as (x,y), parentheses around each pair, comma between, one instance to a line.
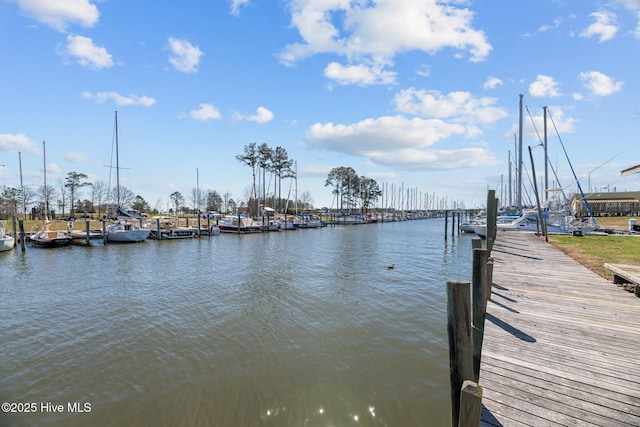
(413,93)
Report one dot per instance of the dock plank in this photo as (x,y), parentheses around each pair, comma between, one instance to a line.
(561,344)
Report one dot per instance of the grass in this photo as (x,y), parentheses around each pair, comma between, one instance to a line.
(594,251)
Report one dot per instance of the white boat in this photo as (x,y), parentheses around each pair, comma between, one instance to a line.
(309,221)
(557,221)
(124,231)
(239,224)
(7,241)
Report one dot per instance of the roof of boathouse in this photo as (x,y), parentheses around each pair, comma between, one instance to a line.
(610,197)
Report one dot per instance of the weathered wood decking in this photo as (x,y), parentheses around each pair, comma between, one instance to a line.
(561,344)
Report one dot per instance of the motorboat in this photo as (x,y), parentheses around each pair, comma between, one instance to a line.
(239,224)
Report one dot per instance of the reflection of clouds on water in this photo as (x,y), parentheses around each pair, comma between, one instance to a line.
(325,404)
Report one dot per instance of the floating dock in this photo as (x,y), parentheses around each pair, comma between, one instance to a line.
(561,344)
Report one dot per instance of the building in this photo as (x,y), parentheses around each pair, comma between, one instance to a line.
(615,203)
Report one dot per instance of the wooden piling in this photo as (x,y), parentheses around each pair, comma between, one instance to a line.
(104,232)
(158,229)
(22,235)
(470,404)
(460,348)
(479,301)
(87,231)
(446,225)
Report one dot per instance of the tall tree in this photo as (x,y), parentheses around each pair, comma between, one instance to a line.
(98,195)
(140,204)
(343,179)
(282,166)
(177,199)
(74,182)
(369,192)
(10,201)
(250,157)
(265,157)
(214,201)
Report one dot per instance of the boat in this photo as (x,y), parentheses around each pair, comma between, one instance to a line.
(7,241)
(124,231)
(166,228)
(558,220)
(309,221)
(43,237)
(82,237)
(239,224)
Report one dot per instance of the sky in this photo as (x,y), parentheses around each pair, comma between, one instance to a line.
(420,95)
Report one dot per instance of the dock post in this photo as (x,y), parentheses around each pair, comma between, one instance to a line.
(15,229)
(492,210)
(22,236)
(199,225)
(453,224)
(104,231)
(460,349)
(479,301)
(87,232)
(470,404)
(446,223)
(158,231)
(489,279)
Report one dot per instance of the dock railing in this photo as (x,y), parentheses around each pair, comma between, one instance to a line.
(466,312)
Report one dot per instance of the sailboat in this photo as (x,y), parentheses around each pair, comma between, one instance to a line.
(123,231)
(42,236)
(7,241)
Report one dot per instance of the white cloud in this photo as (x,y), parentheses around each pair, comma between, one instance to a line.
(18,142)
(236,4)
(533,126)
(59,14)
(399,142)
(205,113)
(129,100)
(605,27)
(461,107)
(86,53)
(360,74)
(77,157)
(492,83)
(374,32)
(262,116)
(184,56)
(544,86)
(600,84)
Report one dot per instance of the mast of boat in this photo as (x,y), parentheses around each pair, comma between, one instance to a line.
(24,212)
(117,162)
(546,159)
(46,193)
(519,187)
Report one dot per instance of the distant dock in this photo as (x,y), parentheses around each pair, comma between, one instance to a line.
(561,344)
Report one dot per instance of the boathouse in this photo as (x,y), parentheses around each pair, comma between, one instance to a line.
(615,203)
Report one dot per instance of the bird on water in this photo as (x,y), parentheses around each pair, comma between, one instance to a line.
(391,267)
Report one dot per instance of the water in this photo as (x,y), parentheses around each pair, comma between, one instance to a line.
(277,329)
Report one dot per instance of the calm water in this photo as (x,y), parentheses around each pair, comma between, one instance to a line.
(295,328)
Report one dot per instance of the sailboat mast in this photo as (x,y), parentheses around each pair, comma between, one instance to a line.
(519,188)
(46,194)
(117,162)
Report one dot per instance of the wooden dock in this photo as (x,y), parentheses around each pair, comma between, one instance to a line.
(561,344)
